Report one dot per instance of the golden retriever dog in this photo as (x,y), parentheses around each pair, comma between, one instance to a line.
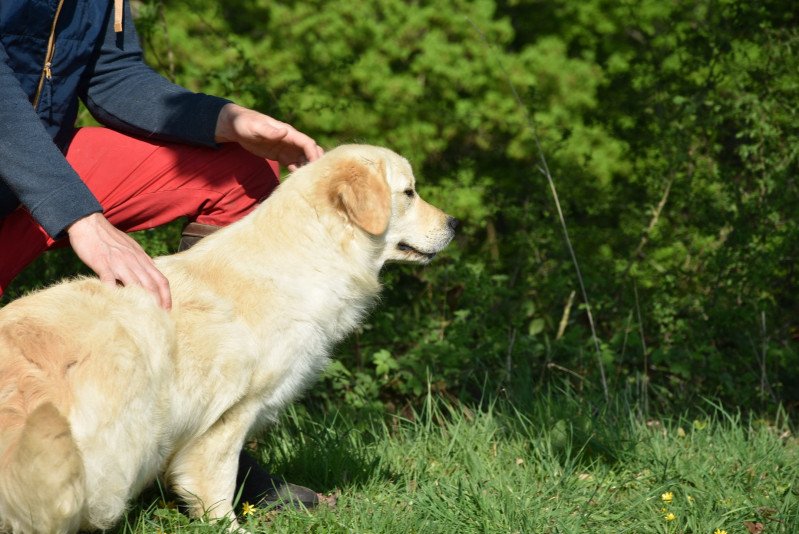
(102,391)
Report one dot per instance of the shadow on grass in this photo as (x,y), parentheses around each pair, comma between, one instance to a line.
(323,451)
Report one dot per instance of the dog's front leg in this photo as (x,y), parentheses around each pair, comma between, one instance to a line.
(206,479)
(203,473)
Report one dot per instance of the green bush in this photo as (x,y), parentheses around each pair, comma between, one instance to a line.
(671,133)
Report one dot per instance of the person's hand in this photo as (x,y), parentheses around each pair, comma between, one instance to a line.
(117,257)
(266,137)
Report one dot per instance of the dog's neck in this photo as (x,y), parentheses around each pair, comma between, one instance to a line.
(315,263)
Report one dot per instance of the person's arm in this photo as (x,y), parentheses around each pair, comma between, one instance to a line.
(117,257)
(32,166)
(36,172)
(123,93)
(266,137)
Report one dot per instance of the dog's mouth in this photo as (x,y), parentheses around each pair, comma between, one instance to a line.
(405,247)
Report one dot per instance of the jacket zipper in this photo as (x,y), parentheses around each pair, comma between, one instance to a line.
(48,58)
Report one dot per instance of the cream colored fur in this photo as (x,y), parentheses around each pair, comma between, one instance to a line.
(101,391)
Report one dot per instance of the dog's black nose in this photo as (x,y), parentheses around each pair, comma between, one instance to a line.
(452,222)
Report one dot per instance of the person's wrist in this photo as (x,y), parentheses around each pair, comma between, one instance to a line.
(86,221)
(224,132)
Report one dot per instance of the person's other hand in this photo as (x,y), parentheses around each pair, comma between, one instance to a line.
(266,137)
(117,257)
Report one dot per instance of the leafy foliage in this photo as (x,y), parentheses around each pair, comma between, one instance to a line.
(671,131)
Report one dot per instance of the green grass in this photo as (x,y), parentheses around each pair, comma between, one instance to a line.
(558,465)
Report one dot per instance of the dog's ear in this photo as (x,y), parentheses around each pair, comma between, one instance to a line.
(359,188)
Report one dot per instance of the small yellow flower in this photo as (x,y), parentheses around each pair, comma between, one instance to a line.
(670,517)
(690,499)
(719,531)
(700,425)
(667,497)
(247,509)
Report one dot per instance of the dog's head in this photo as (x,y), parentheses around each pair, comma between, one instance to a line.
(375,189)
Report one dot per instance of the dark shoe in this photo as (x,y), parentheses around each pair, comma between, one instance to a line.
(193,232)
(264,490)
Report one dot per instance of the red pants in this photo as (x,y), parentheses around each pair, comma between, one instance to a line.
(143,184)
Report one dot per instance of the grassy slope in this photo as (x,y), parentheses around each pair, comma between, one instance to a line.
(557,468)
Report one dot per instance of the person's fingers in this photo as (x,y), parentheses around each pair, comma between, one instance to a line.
(106,276)
(157,284)
(148,282)
(269,138)
(143,272)
(311,151)
(271,133)
(116,257)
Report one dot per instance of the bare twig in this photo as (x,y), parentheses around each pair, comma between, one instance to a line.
(655,216)
(543,167)
(509,357)
(652,223)
(645,378)
(765,385)
(491,238)
(626,336)
(553,365)
(566,313)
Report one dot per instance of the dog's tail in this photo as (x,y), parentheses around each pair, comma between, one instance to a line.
(42,487)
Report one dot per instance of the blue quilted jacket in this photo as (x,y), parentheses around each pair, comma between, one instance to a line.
(53,53)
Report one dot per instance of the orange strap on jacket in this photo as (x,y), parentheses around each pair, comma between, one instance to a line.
(117,16)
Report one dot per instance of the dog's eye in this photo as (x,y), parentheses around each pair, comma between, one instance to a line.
(409,193)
